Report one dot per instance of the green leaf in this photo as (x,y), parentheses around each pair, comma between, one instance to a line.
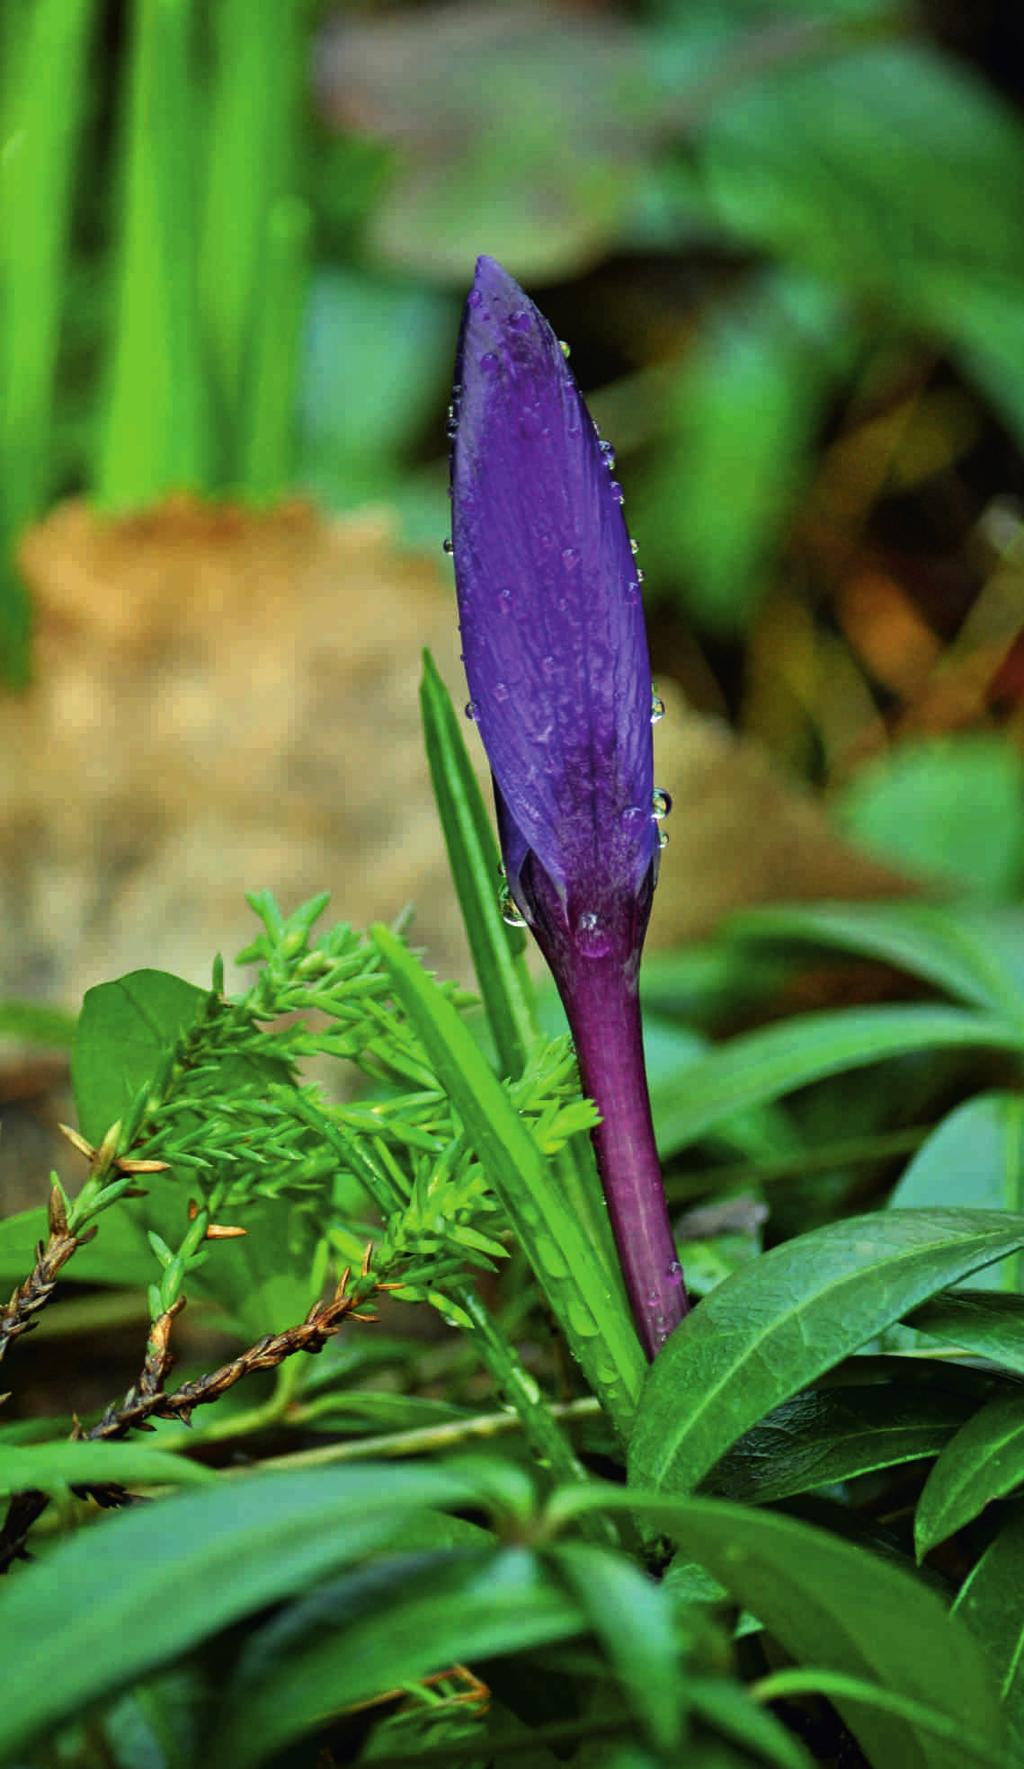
(742,414)
(729,1708)
(118,1255)
(772,1061)
(125,1031)
(590,1311)
(157,1580)
(632,1617)
(389,1626)
(989,1604)
(782,1321)
(52,1466)
(954,950)
(34,1022)
(833,1433)
(985,1461)
(975,1157)
(830,1604)
(977,1321)
(948,808)
(475,862)
(837,1687)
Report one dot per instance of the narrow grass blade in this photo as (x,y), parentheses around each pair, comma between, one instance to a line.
(44,88)
(590,1310)
(155,437)
(250,166)
(266,443)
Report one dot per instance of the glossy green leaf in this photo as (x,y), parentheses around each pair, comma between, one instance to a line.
(764,1065)
(590,1311)
(156,1580)
(51,1466)
(393,1624)
(984,1461)
(782,1321)
(475,863)
(832,1605)
(955,951)
(989,1603)
(988,1325)
(124,1032)
(834,1433)
(975,1157)
(632,1617)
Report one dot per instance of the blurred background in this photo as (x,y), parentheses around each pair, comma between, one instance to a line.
(785,242)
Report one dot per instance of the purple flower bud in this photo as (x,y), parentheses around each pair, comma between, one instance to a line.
(559,674)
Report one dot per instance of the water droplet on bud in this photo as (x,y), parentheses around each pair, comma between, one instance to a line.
(446,546)
(501,690)
(657,706)
(634,547)
(663,838)
(661,803)
(511,914)
(571,558)
(592,937)
(472,711)
(564,348)
(488,362)
(618,495)
(519,321)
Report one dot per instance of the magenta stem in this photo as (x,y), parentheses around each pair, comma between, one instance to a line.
(604,1014)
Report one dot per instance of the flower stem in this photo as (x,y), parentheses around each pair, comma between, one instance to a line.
(604,1013)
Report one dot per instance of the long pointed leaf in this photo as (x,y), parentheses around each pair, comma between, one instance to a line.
(782,1321)
(984,1461)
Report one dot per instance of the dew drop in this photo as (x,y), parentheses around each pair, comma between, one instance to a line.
(451,429)
(489,362)
(634,547)
(501,690)
(661,803)
(618,495)
(549,664)
(674,1272)
(474,298)
(564,348)
(663,838)
(634,815)
(570,558)
(609,454)
(639,576)
(472,711)
(657,706)
(633,593)
(446,546)
(511,914)
(519,321)
(505,600)
(592,937)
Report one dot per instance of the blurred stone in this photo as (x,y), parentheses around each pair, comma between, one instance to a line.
(228,700)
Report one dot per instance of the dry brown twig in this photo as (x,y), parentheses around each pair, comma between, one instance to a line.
(147,1398)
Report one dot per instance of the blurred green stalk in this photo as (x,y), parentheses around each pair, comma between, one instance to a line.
(46,48)
(253,241)
(156,436)
(267,430)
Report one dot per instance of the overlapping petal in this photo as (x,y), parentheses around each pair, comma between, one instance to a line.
(551,613)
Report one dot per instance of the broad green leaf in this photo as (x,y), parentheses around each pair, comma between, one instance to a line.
(985,1461)
(632,1617)
(124,1032)
(764,1065)
(989,1602)
(975,1157)
(475,861)
(156,1580)
(834,1433)
(926,1721)
(948,808)
(956,951)
(831,1604)
(391,1625)
(51,1466)
(782,1321)
(730,1709)
(979,1322)
(590,1311)
(741,418)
